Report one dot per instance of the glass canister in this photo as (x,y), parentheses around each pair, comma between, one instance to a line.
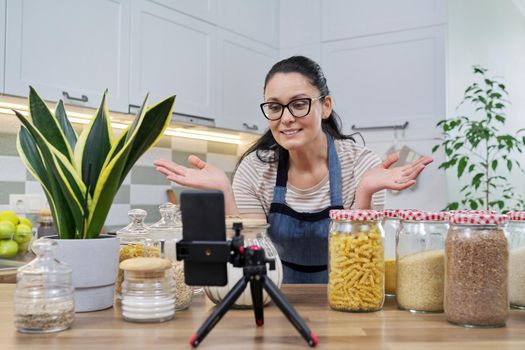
(476,270)
(390,225)
(135,241)
(516,233)
(168,231)
(254,232)
(421,261)
(44,301)
(356,261)
(148,291)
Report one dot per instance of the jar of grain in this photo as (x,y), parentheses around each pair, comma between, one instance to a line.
(355,261)
(254,233)
(476,270)
(421,261)
(135,241)
(168,231)
(148,291)
(44,301)
(516,233)
(390,225)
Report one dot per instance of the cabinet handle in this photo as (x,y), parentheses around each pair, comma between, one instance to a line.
(84,98)
(382,127)
(250,127)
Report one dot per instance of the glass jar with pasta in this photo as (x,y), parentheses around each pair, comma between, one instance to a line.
(356,261)
(135,241)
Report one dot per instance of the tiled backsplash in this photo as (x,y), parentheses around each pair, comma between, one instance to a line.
(143,188)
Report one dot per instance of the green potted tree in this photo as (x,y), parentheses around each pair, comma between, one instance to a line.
(80,176)
(478,150)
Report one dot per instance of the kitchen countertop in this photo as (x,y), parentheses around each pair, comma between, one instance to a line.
(387,329)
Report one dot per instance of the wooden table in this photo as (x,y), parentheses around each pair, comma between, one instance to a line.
(387,329)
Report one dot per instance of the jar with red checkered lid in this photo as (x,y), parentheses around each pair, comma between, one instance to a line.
(356,261)
(420,260)
(476,270)
(390,223)
(516,234)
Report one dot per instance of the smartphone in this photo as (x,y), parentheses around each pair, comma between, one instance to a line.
(203,220)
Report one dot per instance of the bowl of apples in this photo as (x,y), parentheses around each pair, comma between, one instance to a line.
(16,235)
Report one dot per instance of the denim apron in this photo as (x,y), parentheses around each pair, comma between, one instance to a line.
(301,238)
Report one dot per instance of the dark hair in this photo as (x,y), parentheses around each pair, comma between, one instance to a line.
(266,148)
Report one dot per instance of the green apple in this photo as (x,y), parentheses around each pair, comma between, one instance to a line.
(23,233)
(7,228)
(8,248)
(23,247)
(8,215)
(25,221)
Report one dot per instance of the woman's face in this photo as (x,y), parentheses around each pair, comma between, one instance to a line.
(291,132)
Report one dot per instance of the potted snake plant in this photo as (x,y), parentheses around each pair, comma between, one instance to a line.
(80,176)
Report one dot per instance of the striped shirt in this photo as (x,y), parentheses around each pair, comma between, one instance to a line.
(254,182)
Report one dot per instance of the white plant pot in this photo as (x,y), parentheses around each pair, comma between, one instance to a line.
(95,268)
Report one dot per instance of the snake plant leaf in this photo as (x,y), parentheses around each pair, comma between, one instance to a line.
(65,125)
(153,122)
(94,145)
(32,158)
(57,165)
(47,124)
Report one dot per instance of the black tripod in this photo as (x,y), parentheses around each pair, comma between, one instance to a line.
(253,261)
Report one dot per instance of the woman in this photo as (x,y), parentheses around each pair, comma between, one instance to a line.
(302,167)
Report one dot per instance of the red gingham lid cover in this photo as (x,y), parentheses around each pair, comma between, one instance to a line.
(451,213)
(477,218)
(356,214)
(391,213)
(516,215)
(419,215)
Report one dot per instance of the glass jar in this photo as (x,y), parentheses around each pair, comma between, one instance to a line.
(254,233)
(44,301)
(356,261)
(135,241)
(390,225)
(148,291)
(168,231)
(46,227)
(421,261)
(516,233)
(476,270)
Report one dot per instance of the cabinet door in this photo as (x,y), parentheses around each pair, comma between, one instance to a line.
(202,9)
(243,65)
(389,79)
(172,54)
(72,47)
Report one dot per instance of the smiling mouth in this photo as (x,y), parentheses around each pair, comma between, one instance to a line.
(290,132)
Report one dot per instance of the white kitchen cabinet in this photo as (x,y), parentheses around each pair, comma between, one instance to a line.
(2,42)
(389,79)
(172,53)
(354,18)
(202,9)
(242,67)
(72,47)
(255,19)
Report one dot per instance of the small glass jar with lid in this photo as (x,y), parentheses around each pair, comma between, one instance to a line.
(148,291)
(168,231)
(356,261)
(516,234)
(420,261)
(135,241)
(254,233)
(390,225)
(476,270)
(44,301)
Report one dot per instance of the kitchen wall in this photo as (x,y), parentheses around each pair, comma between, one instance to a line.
(491,34)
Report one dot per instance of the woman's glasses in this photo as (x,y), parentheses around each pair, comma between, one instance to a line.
(298,108)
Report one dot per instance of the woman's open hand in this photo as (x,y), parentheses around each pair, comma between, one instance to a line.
(382,177)
(203,176)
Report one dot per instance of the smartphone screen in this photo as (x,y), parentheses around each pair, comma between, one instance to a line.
(203,220)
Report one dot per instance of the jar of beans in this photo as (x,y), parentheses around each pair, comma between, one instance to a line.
(356,262)
(476,270)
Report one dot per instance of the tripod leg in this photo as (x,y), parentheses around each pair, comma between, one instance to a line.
(289,312)
(257,298)
(219,312)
